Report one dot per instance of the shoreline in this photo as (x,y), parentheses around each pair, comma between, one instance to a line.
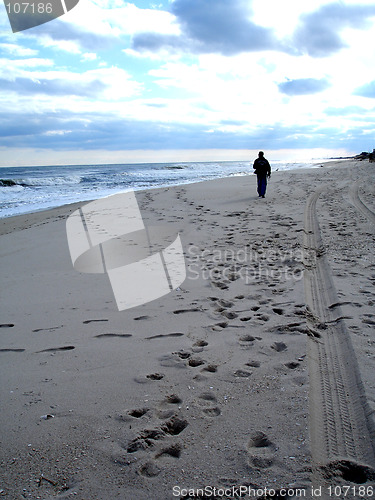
(208,385)
(67,208)
(308,166)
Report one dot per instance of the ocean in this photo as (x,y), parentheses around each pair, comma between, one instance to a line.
(30,189)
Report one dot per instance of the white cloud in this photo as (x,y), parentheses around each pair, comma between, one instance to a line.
(17,50)
(118,18)
(11,68)
(99,90)
(69,46)
(89,56)
(283,17)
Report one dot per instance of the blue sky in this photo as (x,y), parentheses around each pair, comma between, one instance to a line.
(115,81)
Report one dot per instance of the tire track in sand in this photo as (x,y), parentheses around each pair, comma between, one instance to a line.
(358,203)
(341,428)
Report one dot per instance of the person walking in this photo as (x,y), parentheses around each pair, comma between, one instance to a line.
(263,170)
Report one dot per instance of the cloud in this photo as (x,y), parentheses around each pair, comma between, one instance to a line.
(28,128)
(89,56)
(210,27)
(97,88)
(17,50)
(226,28)
(61,31)
(367,90)
(130,19)
(222,26)
(11,67)
(319,32)
(155,42)
(53,87)
(303,86)
(346,111)
(97,131)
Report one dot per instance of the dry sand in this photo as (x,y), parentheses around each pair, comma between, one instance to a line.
(221,383)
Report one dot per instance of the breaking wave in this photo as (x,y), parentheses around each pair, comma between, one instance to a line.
(41,181)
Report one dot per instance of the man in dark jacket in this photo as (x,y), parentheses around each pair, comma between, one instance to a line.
(263,170)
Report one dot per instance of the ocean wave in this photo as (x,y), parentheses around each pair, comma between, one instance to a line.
(9,183)
(175,167)
(41,181)
(239,174)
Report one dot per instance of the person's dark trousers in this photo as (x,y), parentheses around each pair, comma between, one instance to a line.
(262,185)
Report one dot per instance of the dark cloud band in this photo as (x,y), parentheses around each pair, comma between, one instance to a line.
(303,86)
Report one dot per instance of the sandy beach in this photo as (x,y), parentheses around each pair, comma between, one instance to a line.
(256,373)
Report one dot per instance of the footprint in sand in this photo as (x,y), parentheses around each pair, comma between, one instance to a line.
(162,335)
(183,354)
(164,414)
(242,373)
(129,415)
(226,303)
(247,341)
(229,314)
(111,335)
(199,345)
(12,350)
(211,412)
(292,365)
(253,363)
(145,439)
(219,326)
(149,470)
(53,328)
(368,321)
(173,399)
(262,317)
(247,338)
(155,376)
(148,437)
(138,412)
(144,379)
(279,346)
(209,399)
(211,368)
(194,362)
(220,284)
(183,311)
(56,349)
(171,361)
(261,451)
(87,321)
(173,451)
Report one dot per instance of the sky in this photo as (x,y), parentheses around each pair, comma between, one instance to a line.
(179,80)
